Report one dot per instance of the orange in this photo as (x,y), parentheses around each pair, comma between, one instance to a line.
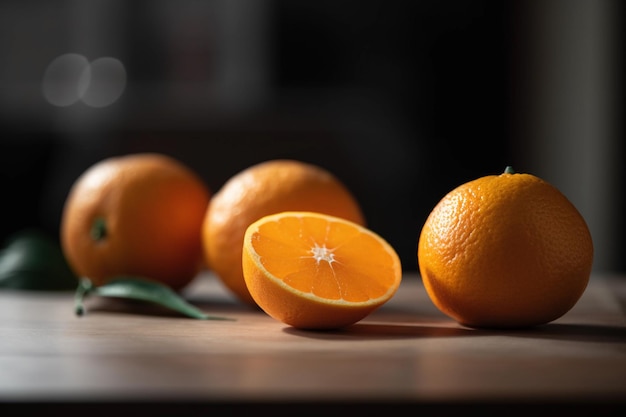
(139,215)
(505,251)
(259,190)
(315,271)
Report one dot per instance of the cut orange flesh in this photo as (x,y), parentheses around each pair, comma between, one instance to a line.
(313,270)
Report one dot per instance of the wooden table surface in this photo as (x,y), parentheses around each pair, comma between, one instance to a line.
(407,352)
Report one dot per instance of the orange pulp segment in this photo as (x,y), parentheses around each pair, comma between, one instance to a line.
(313,270)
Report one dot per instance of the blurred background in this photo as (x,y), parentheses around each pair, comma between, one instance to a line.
(402,100)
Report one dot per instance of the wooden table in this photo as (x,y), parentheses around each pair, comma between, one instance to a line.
(405,354)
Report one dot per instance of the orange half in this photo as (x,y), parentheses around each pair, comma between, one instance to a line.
(316,271)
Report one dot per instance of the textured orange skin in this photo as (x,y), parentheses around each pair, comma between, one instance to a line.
(153,207)
(505,251)
(289,307)
(267,188)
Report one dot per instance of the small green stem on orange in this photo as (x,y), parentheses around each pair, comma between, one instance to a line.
(98,229)
(509,170)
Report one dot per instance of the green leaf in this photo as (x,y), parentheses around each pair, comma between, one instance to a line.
(139,289)
(33,260)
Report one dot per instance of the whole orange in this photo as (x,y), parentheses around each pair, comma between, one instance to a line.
(505,251)
(139,215)
(260,190)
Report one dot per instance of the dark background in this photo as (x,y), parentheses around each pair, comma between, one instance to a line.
(402,100)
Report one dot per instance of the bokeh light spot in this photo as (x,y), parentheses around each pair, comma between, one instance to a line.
(107,82)
(62,84)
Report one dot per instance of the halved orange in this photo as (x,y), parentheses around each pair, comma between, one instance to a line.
(316,271)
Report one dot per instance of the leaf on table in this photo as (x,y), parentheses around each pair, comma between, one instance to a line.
(139,289)
(31,260)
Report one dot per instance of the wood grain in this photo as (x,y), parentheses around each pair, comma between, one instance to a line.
(405,351)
